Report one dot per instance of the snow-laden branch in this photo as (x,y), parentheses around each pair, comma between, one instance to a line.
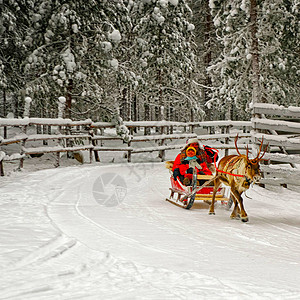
(204,86)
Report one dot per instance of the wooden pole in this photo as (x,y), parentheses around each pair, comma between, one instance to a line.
(1,168)
(4,113)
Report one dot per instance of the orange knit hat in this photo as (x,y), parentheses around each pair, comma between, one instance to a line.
(190,148)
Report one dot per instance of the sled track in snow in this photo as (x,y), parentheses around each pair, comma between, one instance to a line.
(147,246)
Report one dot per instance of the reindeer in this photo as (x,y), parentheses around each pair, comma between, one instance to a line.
(238,172)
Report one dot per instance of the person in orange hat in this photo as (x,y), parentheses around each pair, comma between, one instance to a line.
(185,169)
(204,155)
(190,153)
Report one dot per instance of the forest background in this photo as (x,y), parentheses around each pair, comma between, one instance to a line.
(196,59)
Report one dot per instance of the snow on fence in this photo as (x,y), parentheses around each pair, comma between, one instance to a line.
(65,135)
(282,132)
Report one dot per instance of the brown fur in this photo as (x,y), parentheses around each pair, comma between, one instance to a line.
(242,165)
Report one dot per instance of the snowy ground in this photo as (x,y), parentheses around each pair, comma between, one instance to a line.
(67,234)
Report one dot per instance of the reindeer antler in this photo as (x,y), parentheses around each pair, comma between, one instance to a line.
(264,152)
(235,143)
(247,152)
(261,144)
(258,158)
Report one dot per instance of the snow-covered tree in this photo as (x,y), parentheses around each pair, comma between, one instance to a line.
(142,55)
(13,25)
(279,40)
(207,49)
(257,54)
(164,58)
(72,52)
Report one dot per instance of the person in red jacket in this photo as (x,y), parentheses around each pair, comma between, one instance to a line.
(187,171)
(203,156)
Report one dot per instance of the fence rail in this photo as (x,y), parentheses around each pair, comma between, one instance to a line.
(280,128)
(161,139)
(66,135)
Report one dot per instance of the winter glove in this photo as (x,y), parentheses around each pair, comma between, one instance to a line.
(189,171)
(199,161)
(211,153)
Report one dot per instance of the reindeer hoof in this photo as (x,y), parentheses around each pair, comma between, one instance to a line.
(235,217)
(211,213)
(244,219)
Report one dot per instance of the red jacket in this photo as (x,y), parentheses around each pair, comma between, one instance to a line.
(177,162)
(184,167)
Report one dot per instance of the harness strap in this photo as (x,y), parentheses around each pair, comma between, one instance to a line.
(224,172)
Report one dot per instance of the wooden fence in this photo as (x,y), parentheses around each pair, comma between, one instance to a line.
(280,128)
(282,134)
(73,136)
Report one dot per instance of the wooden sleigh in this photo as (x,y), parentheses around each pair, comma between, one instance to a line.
(185,196)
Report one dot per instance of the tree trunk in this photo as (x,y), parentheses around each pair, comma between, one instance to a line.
(125,111)
(208,56)
(192,115)
(171,113)
(254,52)
(229,111)
(128,102)
(69,99)
(134,110)
(147,118)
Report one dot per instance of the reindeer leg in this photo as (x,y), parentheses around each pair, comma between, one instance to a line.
(243,213)
(236,210)
(217,183)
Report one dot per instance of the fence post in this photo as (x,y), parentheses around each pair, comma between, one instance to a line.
(27,107)
(94,143)
(2,155)
(192,127)
(161,154)
(1,168)
(4,113)
(61,109)
(24,130)
(57,160)
(90,131)
(21,164)
(171,129)
(129,152)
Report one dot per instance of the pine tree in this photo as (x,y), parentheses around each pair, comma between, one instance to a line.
(254,55)
(72,53)
(13,24)
(163,37)
(278,31)
(207,49)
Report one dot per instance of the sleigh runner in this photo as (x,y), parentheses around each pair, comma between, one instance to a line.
(184,196)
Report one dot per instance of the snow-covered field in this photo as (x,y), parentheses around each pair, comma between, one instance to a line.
(69,233)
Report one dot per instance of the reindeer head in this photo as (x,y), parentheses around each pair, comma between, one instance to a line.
(252,170)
